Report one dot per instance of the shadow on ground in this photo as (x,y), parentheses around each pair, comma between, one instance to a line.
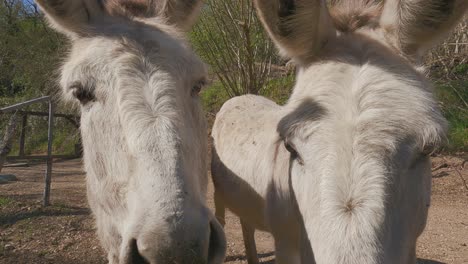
(260,257)
(49,258)
(427,261)
(11,219)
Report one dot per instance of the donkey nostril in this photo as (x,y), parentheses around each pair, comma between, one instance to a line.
(135,256)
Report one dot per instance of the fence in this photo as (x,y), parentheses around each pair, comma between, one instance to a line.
(16,109)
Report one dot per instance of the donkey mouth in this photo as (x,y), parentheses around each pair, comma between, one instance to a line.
(134,256)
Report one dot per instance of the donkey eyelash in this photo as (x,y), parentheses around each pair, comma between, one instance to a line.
(294,154)
(196,89)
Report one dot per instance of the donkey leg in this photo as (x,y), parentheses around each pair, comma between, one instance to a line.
(109,237)
(412,255)
(249,241)
(307,256)
(113,257)
(220,209)
(286,254)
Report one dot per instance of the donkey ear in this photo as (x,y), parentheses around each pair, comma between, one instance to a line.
(182,13)
(299,28)
(415,26)
(72,17)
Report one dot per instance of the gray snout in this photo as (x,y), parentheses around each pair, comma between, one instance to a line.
(160,247)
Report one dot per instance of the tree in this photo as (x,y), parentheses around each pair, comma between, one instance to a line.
(30,55)
(232,41)
(29,52)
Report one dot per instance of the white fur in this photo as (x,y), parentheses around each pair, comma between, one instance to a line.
(144,135)
(363,121)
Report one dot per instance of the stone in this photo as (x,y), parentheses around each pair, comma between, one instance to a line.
(9,247)
(8,178)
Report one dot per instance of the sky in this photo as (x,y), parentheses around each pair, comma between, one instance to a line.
(29,4)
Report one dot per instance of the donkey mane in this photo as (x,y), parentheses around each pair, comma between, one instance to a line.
(171,12)
(351,15)
(137,8)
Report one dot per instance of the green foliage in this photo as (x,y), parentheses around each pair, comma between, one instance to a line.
(30,55)
(66,136)
(4,201)
(277,89)
(461,69)
(453,97)
(213,98)
(230,38)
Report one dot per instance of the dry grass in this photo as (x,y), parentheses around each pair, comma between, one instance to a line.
(450,59)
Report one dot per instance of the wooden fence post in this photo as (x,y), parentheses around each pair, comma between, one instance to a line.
(5,146)
(23,135)
(48,176)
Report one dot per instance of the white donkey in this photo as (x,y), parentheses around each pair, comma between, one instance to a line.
(142,125)
(341,174)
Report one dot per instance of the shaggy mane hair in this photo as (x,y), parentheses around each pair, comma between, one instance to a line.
(136,8)
(351,15)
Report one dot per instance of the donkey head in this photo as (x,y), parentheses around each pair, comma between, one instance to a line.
(361,121)
(142,126)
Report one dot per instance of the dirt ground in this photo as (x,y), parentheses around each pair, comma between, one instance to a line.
(64,232)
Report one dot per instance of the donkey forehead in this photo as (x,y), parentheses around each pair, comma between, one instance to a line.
(152,46)
(142,39)
(369,94)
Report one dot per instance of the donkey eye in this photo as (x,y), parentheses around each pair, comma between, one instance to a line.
(81,93)
(290,148)
(294,154)
(428,150)
(198,87)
